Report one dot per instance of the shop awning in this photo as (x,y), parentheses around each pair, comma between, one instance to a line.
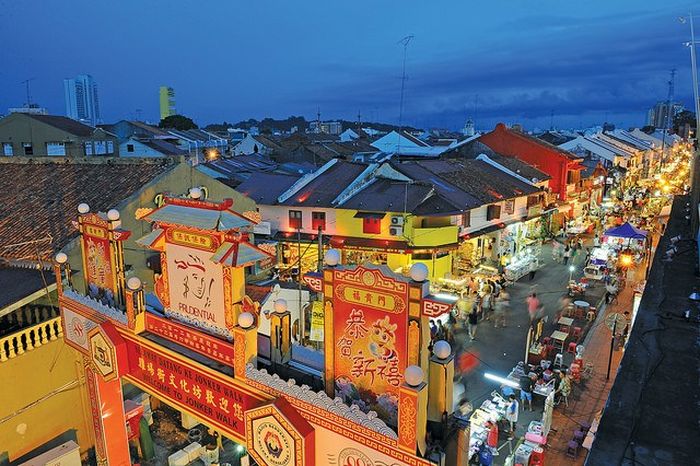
(484,231)
(369,244)
(238,254)
(378,215)
(293,237)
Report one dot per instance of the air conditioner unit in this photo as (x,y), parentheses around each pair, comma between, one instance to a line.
(397,220)
(395,231)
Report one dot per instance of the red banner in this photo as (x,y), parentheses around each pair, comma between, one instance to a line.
(195,340)
(370,324)
(98,261)
(214,400)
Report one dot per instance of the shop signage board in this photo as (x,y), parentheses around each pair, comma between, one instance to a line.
(277,435)
(195,340)
(316,321)
(100,275)
(370,322)
(344,450)
(215,401)
(196,284)
(103,354)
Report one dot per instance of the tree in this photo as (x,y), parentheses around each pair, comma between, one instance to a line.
(686,116)
(179,122)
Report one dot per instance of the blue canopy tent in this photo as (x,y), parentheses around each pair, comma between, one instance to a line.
(626,231)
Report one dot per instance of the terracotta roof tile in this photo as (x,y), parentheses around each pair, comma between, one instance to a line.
(38,201)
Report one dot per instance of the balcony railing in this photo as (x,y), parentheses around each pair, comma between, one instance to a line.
(29,338)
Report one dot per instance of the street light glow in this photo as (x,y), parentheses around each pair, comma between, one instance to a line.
(572,268)
(502,380)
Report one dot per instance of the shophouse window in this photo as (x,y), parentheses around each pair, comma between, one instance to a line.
(493,212)
(510,206)
(318,221)
(7,149)
(295,219)
(467,218)
(110,147)
(372,225)
(100,147)
(28,148)
(533,201)
(129,147)
(88,148)
(55,149)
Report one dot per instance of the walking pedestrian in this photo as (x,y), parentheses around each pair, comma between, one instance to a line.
(533,304)
(526,384)
(567,254)
(500,309)
(473,318)
(440,335)
(533,269)
(487,304)
(588,257)
(433,329)
(512,410)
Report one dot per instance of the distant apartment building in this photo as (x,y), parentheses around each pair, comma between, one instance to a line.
(325,127)
(82,103)
(658,115)
(167,102)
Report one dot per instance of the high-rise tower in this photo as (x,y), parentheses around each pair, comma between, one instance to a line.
(167,102)
(82,103)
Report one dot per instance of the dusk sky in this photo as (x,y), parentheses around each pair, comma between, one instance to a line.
(231,60)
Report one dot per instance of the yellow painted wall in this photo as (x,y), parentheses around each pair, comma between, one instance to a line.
(38,375)
(438,268)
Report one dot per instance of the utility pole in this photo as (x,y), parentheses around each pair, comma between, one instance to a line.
(405,41)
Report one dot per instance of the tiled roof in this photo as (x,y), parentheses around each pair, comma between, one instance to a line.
(521,168)
(17,283)
(163,147)
(265,188)
(64,124)
(456,196)
(323,189)
(385,195)
(39,199)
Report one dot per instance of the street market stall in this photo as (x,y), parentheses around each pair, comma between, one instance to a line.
(625,235)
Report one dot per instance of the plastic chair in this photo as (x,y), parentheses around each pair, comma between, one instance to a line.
(572,449)
(546,340)
(585,427)
(572,348)
(579,436)
(577,333)
(558,361)
(590,316)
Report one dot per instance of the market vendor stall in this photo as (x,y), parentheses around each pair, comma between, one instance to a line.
(521,266)
(598,262)
(625,235)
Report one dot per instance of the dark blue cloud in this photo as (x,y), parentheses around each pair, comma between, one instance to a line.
(234,60)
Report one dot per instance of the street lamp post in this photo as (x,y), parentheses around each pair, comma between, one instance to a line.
(571,272)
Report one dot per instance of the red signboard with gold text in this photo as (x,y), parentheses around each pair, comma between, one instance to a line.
(215,401)
(370,320)
(99,267)
(200,342)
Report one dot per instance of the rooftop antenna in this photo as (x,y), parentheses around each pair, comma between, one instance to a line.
(359,118)
(318,119)
(476,107)
(27,84)
(669,111)
(551,120)
(405,41)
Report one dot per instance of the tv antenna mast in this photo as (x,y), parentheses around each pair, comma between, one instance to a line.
(27,84)
(405,41)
